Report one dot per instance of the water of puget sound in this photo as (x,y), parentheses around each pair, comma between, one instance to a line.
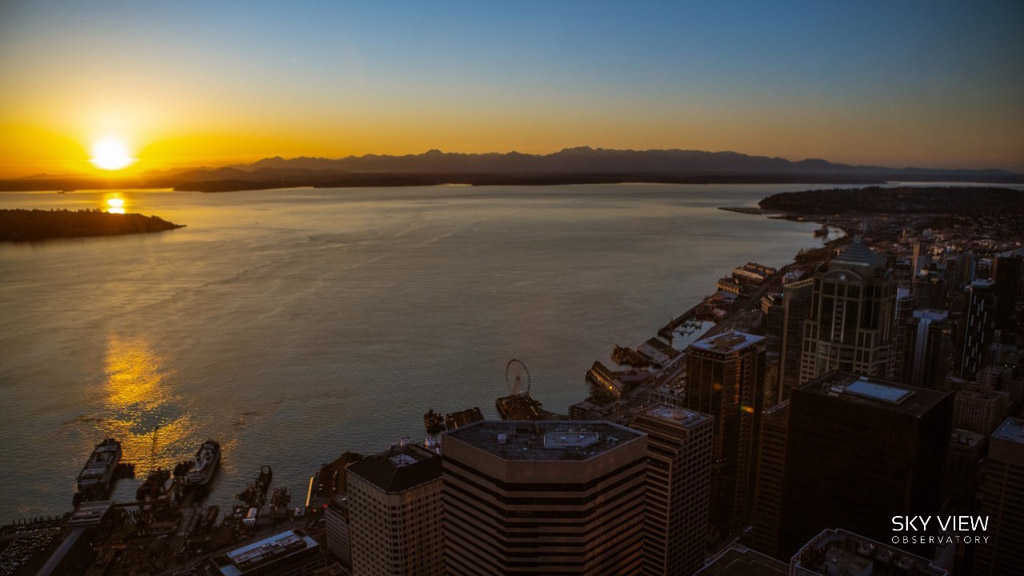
(293,325)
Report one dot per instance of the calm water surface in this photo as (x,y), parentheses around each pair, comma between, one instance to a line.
(293,325)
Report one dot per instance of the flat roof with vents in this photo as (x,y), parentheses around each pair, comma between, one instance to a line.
(731,341)
(547,440)
(860,389)
(680,416)
(877,391)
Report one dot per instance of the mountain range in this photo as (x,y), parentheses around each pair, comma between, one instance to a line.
(568,166)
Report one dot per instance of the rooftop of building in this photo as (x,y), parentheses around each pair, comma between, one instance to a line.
(933,314)
(545,440)
(90,513)
(857,254)
(251,557)
(727,343)
(965,438)
(883,394)
(677,416)
(400,468)
(841,552)
(1011,429)
(979,391)
(742,561)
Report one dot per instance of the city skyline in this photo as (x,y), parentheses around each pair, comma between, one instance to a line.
(931,86)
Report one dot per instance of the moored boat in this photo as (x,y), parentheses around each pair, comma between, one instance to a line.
(95,477)
(205,464)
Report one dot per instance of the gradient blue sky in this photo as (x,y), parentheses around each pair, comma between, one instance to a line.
(936,84)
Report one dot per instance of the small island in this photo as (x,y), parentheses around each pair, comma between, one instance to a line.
(35,225)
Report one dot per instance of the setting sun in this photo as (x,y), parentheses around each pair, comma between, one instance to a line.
(111,154)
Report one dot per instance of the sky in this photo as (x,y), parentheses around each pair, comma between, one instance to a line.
(927,84)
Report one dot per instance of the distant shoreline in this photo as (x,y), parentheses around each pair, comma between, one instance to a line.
(40,225)
(398,180)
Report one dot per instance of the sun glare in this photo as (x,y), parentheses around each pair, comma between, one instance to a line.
(115,205)
(111,154)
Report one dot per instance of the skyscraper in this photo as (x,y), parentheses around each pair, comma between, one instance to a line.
(678,489)
(796,308)
(860,451)
(1009,279)
(927,345)
(725,378)
(852,321)
(394,501)
(1002,501)
(545,497)
(979,327)
(771,467)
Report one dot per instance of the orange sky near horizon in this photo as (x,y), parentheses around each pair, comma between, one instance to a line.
(194,85)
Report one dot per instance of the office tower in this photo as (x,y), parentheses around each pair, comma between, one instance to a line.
(905,305)
(394,501)
(1009,277)
(963,467)
(841,553)
(289,553)
(858,450)
(926,349)
(796,308)
(545,497)
(852,322)
(979,327)
(725,378)
(930,288)
(678,488)
(979,408)
(770,469)
(1002,500)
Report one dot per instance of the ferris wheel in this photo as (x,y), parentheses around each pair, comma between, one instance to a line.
(517,377)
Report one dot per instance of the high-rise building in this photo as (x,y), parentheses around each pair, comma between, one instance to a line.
(336,527)
(544,497)
(796,309)
(963,467)
(1009,279)
(979,327)
(860,451)
(927,345)
(725,378)
(979,408)
(841,553)
(901,348)
(678,488)
(852,321)
(770,469)
(930,288)
(1002,501)
(394,506)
